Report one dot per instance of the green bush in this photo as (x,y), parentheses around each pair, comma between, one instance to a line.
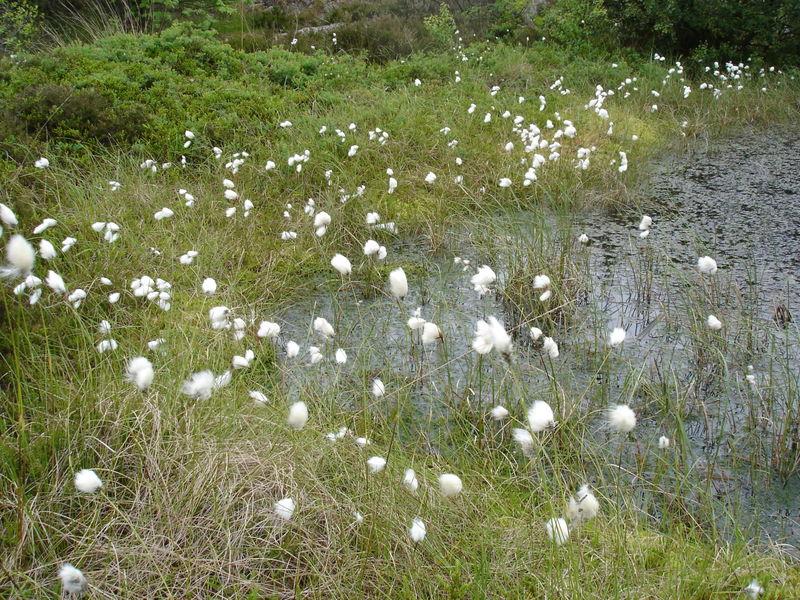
(18,22)
(384,38)
(58,111)
(712,29)
(145,14)
(580,25)
(441,27)
(146,89)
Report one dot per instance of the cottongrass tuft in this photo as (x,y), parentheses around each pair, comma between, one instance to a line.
(200,385)
(298,415)
(410,481)
(398,283)
(557,531)
(524,438)
(483,279)
(663,442)
(450,485)
(140,372)
(7,216)
(540,416)
(417,531)
(430,333)
(491,335)
(550,346)
(342,264)
(583,507)
(87,481)
(713,323)
(621,418)
(284,509)
(376,464)
(55,282)
(707,265)
(209,286)
(268,329)
(72,580)
(378,388)
(616,337)
(499,413)
(260,398)
(322,327)
(20,255)
(753,590)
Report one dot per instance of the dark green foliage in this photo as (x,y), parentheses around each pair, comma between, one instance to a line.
(735,29)
(18,19)
(146,89)
(141,14)
(385,38)
(58,111)
(709,30)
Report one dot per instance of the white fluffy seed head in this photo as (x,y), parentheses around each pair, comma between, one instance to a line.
(258,397)
(541,282)
(284,509)
(209,286)
(55,282)
(410,481)
(616,337)
(72,580)
(707,265)
(398,283)
(524,438)
(139,371)
(268,329)
(417,531)
(46,250)
(87,481)
(430,333)
(340,356)
(753,590)
(199,385)
(450,485)
(713,323)
(621,418)
(483,279)
(557,531)
(376,464)
(499,413)
(540,416)
(378,388)
(322,327)
(298,415)
(7,216)
(583,507)
(491,335)
(550,346)
(20,254)
(341,264)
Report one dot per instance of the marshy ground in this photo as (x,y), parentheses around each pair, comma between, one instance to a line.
(191,475)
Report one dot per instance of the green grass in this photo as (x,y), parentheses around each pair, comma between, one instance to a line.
(187,505)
